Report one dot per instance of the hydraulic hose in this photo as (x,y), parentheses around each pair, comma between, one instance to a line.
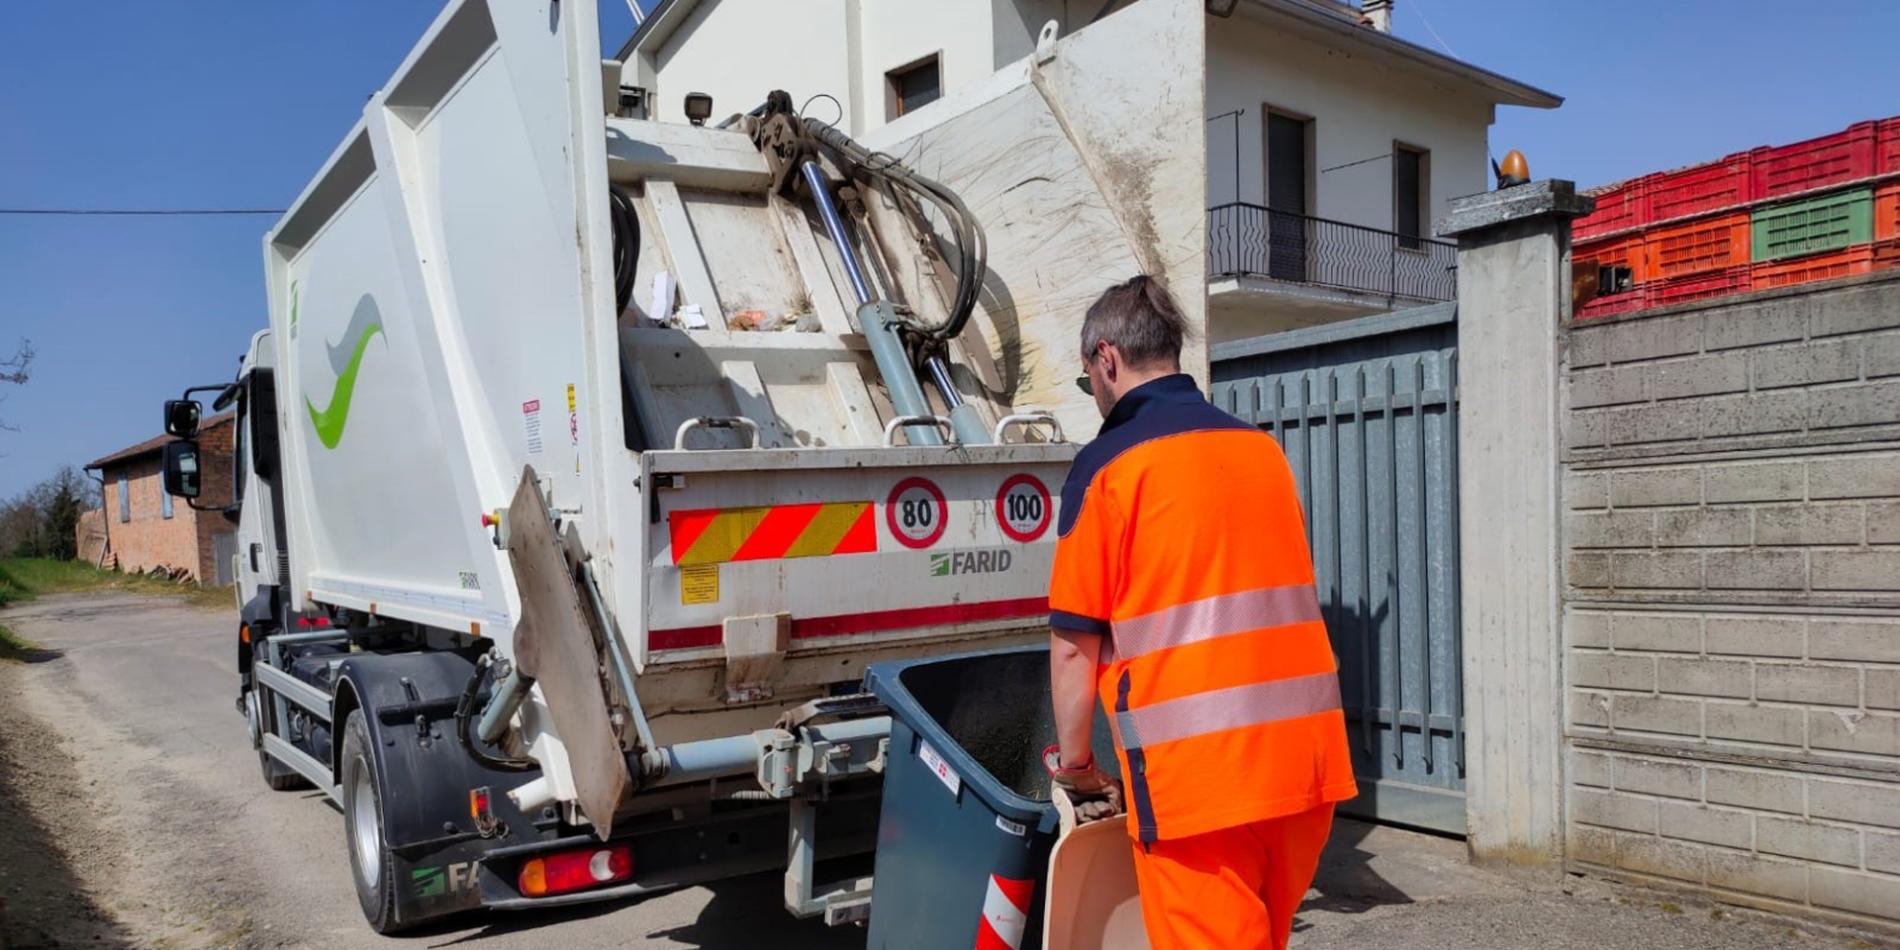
(465,711)
(966,234)
(626,226)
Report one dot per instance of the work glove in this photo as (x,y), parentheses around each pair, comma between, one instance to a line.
(1092,793)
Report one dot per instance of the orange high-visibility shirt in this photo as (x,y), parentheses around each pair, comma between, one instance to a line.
(1182,543)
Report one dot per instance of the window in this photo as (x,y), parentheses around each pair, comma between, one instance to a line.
(164,502)
(125,499)
(914,86)
(1411,202)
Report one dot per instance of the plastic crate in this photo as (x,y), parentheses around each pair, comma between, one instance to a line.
(1813,225)
(1887,211)
(1726,183)
(1887,150)
(1618,209)
(1721,283)
(1816,163)
(1642,297)
(1695,247)
(1853,260)
(1886,254)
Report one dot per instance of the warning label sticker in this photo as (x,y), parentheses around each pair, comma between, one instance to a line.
(531,421)
(699,584)
(939,767)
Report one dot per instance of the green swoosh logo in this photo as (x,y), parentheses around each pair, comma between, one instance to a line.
(329,420)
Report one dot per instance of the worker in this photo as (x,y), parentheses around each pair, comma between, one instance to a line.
(1182,595)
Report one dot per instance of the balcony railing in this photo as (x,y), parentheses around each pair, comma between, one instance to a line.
(1247,240)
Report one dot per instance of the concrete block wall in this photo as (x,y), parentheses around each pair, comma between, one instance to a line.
(1731,565)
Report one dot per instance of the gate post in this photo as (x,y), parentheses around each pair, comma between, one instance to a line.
(1513,295)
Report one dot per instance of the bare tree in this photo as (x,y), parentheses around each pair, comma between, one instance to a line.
(15,370)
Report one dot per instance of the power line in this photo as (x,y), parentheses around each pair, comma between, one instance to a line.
(139,211)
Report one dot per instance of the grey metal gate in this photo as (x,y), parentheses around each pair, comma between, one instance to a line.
(1367,414)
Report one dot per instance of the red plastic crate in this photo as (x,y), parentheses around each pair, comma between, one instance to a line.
(1815,163)
(1641,297)
(1886,254)
(1800,270)
(1721,283)
(1887,153)
(1619,208)
(1887,211)
(1726,183)
(1696,247)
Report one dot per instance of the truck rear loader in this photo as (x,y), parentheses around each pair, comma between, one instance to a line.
(587,460)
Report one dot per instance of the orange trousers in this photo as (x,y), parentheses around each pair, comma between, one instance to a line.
(1234,888)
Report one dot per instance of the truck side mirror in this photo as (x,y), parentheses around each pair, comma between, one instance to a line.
(181,418)
(180,472)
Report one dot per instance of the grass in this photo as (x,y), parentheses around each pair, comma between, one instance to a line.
(23,579)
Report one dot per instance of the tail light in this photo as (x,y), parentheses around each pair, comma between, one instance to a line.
(576,870)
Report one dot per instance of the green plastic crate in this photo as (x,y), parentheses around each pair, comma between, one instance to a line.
(1813,225)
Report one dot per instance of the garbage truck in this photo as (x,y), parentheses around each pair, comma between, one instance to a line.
(587,460)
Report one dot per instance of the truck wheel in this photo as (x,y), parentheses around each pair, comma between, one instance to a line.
(370,864)
(277,775)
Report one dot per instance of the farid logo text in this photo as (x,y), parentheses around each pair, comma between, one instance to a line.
(980,561)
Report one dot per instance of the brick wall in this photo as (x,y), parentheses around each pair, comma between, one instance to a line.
(185,540)
(1732,597)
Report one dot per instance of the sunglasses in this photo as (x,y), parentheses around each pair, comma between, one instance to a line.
(1083,382)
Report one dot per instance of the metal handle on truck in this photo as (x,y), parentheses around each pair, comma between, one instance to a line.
(714,422)
(891,427)
(1027,419)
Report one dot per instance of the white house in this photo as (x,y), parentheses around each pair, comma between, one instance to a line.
(1331,144)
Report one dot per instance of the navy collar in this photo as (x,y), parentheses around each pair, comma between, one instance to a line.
(1175,389)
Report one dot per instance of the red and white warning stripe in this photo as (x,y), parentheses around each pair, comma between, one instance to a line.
(1005,914)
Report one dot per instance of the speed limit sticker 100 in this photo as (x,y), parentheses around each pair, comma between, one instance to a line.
(916,513)
(1022,508)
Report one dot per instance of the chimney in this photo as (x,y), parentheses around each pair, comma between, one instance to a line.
(1377,14)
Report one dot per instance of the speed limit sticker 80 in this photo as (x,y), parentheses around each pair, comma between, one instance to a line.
(916,513)
(1022,508)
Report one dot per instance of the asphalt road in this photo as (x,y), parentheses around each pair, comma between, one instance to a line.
(136,815)
(132,814)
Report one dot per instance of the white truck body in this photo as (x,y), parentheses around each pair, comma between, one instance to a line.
(443,315)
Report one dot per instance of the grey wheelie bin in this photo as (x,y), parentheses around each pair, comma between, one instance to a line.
(966,827)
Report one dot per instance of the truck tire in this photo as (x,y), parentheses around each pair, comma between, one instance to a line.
(277,775)
(371,867)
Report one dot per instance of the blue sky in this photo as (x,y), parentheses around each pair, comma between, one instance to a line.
(235,103)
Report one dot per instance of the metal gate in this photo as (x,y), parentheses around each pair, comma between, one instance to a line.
(1367,414)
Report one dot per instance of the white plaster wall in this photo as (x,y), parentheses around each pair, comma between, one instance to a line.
(895,33)
(1359,106)
(721,50)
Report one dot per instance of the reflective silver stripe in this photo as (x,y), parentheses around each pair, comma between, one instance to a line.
(1231,708)
(1218,616)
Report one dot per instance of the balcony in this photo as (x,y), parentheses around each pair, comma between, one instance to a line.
(1275,270)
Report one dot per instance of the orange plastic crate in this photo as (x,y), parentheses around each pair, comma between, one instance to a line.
(1887,152)
(1696,247)
(1886,254)
(1800,270)
(1618,209)
(1816,163)
(1726,183)
(1721,283)
(1887,211)
(1627,252)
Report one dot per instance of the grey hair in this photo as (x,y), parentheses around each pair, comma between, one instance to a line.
(1141,318)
